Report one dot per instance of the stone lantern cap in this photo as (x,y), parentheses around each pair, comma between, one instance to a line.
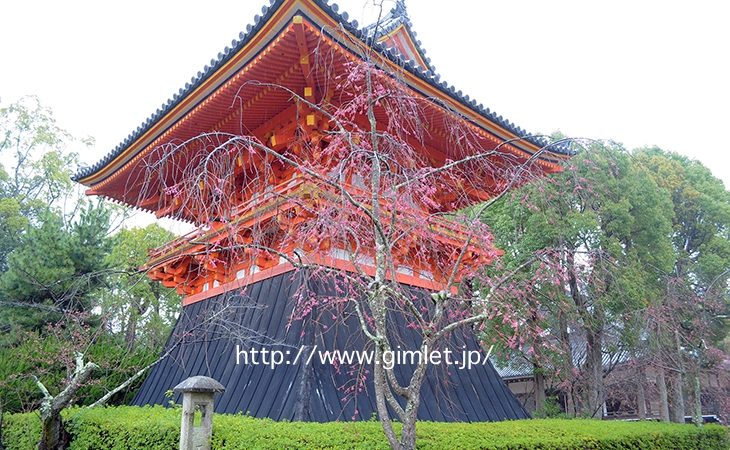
(200,384)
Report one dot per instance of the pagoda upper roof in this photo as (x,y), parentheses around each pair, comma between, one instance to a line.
(394,25)
(396,21)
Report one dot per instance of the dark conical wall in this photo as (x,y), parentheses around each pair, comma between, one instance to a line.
(223,336)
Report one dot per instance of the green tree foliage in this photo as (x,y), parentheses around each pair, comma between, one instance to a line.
(609,226)
(143,309)
(691,322)
(34,169)
(36,259)
(701,222)
(643,238)
(39,168)
(68,283)
(49,355)
(58,260)
(12,225)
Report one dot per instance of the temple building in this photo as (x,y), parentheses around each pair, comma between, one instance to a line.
(260,151)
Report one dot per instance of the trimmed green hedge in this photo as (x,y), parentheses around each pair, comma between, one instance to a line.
(21,431)
(124,428)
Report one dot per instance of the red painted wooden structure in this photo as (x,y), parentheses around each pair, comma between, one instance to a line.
(272,90)
(241,93)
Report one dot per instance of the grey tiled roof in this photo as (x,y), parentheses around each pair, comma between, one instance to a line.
(612,354)
(394,18)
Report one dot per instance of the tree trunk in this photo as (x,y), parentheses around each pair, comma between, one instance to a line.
(640,394)
(697,410)
(302,411)
(408,432)
(380,377)
(570,401)
(661,382)
(53,434)
(130,336)
(381,384)
(593,322)
(537,372)
(594,373)
(539,388)
(676,403)
(676,386)
(568,368)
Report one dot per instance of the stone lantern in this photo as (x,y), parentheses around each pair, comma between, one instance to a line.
(197,393)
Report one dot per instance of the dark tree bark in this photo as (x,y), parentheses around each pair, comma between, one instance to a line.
(640,394)
(53,434)
(676,403)
(570,407)
(697,406)
(676,386)
(539,387)
(661,381)
(594,322)
(594,370)
(130,335)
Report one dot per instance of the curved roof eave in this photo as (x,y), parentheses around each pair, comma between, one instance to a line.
(426,75)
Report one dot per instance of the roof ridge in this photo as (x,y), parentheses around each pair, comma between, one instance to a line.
(427,74)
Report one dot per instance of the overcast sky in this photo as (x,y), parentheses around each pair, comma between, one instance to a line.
(638,72)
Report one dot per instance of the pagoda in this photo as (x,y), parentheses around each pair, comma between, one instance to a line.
(259,151)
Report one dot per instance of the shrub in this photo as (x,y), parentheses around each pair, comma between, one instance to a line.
(125,427)
(552,409)
(21,431)
(158,428)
